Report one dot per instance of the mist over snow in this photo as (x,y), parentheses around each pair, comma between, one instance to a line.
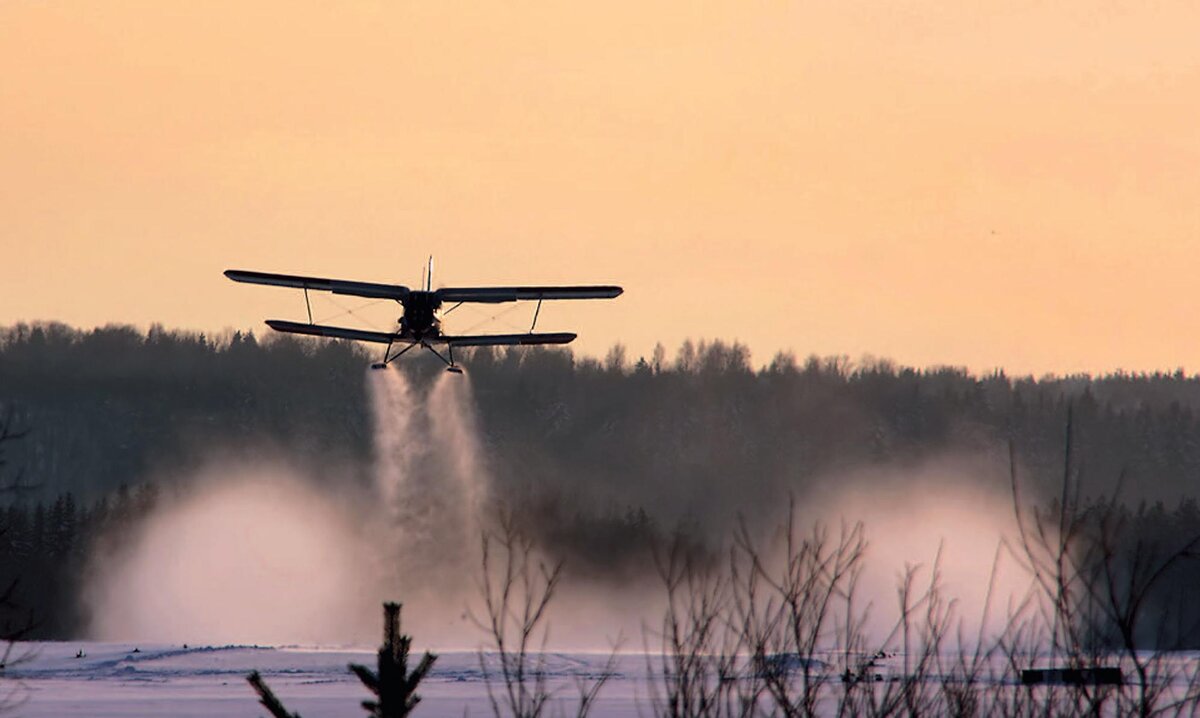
(266,552)
(250,554)
(263,552)
(947,514)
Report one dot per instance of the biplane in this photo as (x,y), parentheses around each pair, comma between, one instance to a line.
(421,323)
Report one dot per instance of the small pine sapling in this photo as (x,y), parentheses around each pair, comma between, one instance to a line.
(393,684)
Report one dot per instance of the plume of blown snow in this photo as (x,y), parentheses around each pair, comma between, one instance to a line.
(251,554)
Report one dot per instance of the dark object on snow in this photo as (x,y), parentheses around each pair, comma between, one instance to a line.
(782,664)
(1101,676)
(393,684)
(864,676)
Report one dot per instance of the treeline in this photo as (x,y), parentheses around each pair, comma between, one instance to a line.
(117,406)
(706,434)
(1148,558)
(44,547)
(688,435)
(597,456)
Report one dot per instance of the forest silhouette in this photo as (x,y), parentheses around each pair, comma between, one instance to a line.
(597,458)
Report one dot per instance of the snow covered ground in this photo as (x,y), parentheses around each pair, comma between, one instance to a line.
(158,680)
(115,680)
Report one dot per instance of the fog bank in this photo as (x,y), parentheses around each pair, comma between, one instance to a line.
(266,553)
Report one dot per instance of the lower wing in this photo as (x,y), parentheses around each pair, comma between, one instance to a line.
(491,340)
(363,335)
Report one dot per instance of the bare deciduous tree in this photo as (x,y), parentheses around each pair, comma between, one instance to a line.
(805,590)
(1096,578)
(517,586)
(703,666)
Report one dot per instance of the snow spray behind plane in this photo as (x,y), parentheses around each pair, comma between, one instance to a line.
(429,475)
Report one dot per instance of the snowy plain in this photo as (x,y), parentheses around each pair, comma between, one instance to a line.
(113,681)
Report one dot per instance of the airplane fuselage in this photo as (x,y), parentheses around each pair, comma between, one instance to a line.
(420,318)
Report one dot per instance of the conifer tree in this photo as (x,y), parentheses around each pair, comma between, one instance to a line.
(393,684)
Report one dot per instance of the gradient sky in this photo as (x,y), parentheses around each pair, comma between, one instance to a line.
(991,184)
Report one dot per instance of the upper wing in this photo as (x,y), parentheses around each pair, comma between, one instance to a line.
(337,286)
(511,294)
(318,330)
(488,340)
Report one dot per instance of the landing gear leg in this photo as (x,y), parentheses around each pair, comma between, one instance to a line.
(450,365)
(389,359)
(387,350)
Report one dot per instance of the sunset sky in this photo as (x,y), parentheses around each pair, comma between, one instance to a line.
(990,184)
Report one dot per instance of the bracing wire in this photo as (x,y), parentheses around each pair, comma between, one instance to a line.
(353,312)
(495,317)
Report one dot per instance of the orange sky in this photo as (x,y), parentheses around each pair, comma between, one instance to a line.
(989,183)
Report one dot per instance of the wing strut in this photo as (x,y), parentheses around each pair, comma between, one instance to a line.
(307,305)
(536,312)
